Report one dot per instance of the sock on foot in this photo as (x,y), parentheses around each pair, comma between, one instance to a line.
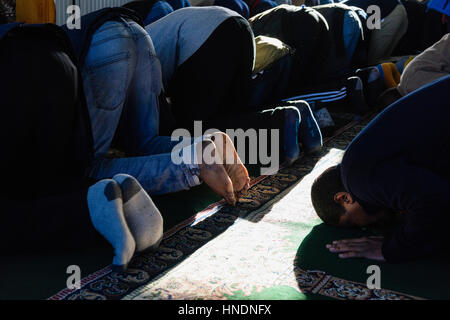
(310,135)
(356,97)
(402,63)
(142,216)
(291,125)
(105,207)
(373,84)
(323,118)
(391,76)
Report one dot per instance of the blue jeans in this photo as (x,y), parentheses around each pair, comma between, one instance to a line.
(122,82)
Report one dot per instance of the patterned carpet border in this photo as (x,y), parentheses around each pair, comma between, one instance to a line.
(185,238)
(321,283)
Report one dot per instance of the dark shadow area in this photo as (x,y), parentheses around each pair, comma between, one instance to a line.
(425,279)
(41,275)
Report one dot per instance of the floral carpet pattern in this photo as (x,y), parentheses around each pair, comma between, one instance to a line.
(243,252)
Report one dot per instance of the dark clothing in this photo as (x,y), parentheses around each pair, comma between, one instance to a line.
(400,161)
(259,6)
(386,6)
(194,89)
(5,28)
(52,223)
(150,10)
(303,29)
(45,79)
(238,6)
(7,11)
(442,6)
(142,7)
(334,14)
(196,95)
(178,4)
(340,63)
(269,87)
(47,142)
(425,28)
(81,38)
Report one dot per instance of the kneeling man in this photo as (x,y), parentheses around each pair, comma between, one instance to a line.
(398,165)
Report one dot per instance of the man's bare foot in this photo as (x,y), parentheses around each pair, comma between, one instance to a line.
(239,177)
(213,173)
(232,163)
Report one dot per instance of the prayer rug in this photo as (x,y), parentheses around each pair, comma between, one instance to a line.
(270,246)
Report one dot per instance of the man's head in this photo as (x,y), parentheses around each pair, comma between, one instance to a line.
(334,205)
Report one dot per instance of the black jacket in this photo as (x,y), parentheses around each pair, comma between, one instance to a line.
(303,29)
(46,142)
(339,65)
(400,161)
(45,124)
(386,6)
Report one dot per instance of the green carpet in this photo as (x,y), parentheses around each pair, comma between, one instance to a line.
(425,279)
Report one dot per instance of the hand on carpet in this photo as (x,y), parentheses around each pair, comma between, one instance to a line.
(366,247)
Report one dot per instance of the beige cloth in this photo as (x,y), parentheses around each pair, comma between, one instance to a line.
(384,40)
(269,50)
(430,65)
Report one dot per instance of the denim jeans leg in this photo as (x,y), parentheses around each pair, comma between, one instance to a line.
(106,78)
(122,80)
(156,173)
(138,131)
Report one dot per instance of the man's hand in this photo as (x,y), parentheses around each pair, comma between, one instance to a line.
(369,248)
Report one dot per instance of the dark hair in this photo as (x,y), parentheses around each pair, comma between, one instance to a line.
(322,195)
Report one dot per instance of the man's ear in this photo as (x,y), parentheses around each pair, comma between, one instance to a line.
(343,197)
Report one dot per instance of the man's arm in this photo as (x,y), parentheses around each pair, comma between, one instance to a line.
(425,197)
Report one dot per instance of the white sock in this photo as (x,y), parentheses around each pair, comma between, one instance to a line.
(105,207)
(142,216)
